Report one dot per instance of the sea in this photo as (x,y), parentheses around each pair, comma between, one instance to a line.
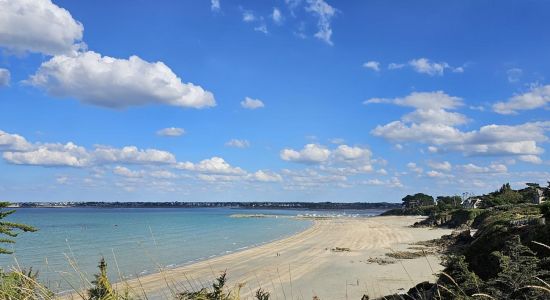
(134,242)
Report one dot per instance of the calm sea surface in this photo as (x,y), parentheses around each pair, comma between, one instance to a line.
(140,240)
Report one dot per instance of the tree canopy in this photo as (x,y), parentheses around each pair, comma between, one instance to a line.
(10,229)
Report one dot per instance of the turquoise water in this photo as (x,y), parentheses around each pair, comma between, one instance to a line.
(140,240)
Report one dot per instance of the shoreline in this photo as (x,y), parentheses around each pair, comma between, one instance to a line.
(306,264)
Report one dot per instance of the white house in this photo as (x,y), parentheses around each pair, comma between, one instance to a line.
(539,196)
(472,203)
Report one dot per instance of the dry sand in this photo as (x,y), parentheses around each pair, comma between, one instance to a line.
(307,266)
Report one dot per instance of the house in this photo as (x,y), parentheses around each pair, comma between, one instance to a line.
(539,196)
(472,202)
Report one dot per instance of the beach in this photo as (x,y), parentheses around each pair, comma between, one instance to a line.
(308,264)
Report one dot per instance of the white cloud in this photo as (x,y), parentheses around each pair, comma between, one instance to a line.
(534,159)
(373,65)
(310,154)
(514,75)
(537,97)
(266,176)
(117,83)
(261,28)
(13,142)
(125,172)
(131,155)
(18,151)
(215,5)
(214,165)
(422,100)
(250,103)
(493,168)
(395,66)
(432,124)
(425,66)
(38,26)
(248,16)
(62,179)
(415,168)
(435,174)
(236,143)
(343,161)
(5,77)
(325,13)
(442,166)
(277,16)
(162,174)
(393,182)
(171,131)
(69,155)
(347,153)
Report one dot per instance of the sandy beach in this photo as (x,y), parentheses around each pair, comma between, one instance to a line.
(306,265)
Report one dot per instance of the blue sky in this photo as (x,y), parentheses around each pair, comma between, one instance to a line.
(284,100)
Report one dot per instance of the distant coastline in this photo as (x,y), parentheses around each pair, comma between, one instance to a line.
(242,205)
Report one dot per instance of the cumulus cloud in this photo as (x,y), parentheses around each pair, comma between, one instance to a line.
(442,166)
(171,132)
(13,142)
(373,65)
(261,28)
(163,174)
(265,176)
(5,77)
(131,155)
(117,83)
(394,182)
(248,16)
(347,153)
(415,168)
(69,155)
(38,26)
(215,5)
(425,66)
(250,103)
(342,161)
(236,143)
(434,125)
(534,159)
(125,172)
(310,154)
(492,168)
(277,16)
(536,97)
(17,150)
(422,100)
(324,12)
(214,165)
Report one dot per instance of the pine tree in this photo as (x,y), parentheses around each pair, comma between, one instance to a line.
(10,228)
(102,289)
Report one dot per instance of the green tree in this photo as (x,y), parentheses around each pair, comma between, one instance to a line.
(418,200)
(448,202)
(9,228)
(102,289)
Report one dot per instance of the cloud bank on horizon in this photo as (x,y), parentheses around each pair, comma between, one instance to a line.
(346,105)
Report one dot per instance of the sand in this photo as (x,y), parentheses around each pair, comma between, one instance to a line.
(305,265)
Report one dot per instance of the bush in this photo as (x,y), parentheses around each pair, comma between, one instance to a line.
(22,285)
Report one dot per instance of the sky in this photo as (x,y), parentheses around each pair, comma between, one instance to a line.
(281,100)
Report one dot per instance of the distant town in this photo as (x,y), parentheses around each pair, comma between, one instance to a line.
(247,205)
